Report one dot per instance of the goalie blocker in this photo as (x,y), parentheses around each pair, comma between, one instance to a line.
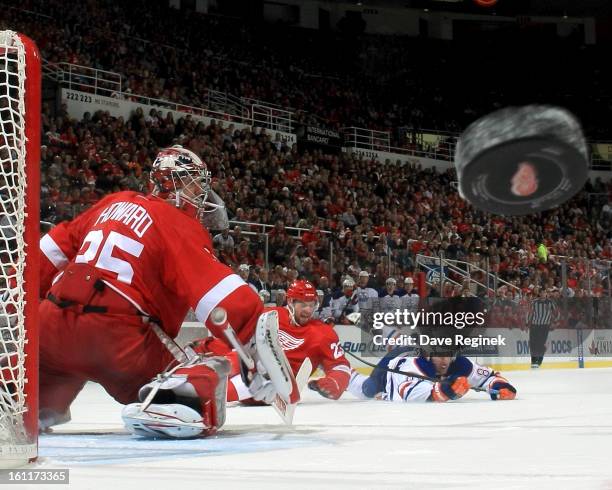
(189,400)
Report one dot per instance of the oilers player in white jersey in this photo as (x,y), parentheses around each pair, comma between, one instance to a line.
(365,294)
(429,375)
(451,377)
(347,303)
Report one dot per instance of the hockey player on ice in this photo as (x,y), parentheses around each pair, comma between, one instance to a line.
(301,337)
(452,377)
(436,374)
(121,277)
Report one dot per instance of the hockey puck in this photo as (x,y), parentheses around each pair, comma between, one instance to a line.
(521,160)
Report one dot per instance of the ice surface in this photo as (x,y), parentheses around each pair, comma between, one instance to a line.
(558,434)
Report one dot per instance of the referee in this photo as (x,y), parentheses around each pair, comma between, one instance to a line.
(542,314)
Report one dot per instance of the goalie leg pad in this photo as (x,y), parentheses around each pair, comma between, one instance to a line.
(209,380)
(199,386)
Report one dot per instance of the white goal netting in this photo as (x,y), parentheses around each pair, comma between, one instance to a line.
(15,441)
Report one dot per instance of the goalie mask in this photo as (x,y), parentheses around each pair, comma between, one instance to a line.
(180,176)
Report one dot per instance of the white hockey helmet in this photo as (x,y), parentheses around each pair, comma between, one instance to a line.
(180,176)
(348,283)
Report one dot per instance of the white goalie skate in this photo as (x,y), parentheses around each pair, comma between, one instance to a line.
(186,401)
(168,421)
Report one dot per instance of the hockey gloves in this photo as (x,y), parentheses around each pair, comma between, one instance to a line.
(262,389)
(331,386)
(500,389)
(451,388)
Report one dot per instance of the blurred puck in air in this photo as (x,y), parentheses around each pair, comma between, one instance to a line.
(521,160)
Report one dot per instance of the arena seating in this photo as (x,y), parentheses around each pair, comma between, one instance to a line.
(378,216)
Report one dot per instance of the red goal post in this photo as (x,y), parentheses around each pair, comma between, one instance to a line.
(20,119)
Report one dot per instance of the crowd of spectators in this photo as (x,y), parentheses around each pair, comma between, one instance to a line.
(353,214)
(321,216)
(373,81)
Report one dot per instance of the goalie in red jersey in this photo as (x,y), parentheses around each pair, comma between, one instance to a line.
(117,282)
(301,337)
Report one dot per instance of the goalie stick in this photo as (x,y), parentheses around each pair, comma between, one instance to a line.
(287,410)
(218,316)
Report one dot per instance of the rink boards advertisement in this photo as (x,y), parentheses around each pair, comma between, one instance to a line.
(562,347)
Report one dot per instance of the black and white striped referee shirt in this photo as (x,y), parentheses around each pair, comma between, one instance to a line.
(542,312)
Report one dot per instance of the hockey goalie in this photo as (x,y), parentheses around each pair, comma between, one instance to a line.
(120,278)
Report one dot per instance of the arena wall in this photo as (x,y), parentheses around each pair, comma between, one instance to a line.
(562,347)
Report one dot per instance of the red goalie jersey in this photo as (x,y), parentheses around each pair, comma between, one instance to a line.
(157,258)
(300,337)
(118,280)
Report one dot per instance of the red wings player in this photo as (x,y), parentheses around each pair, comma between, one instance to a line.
(300,336)
(129,270)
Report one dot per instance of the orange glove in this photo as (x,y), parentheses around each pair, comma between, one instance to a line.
(500,389)
(449,389)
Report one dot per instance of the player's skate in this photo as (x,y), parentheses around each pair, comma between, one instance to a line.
(171,420)
(187,401)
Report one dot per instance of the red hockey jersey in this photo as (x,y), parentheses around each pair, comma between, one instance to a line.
(154,255)
(315,340)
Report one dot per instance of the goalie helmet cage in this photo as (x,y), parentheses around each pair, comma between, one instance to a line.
(20,93)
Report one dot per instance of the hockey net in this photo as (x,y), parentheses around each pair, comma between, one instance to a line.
(19,233)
